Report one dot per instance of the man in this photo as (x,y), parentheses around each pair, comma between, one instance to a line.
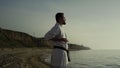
(60,54)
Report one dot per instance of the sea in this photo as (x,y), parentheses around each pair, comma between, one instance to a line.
(95,59)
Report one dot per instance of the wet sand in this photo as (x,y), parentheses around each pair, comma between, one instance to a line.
(24,58)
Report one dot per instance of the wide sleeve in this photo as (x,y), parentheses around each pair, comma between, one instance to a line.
(52,33)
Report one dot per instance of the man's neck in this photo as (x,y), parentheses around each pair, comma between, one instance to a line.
(59,24)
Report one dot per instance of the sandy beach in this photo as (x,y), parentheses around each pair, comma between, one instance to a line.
(24,57)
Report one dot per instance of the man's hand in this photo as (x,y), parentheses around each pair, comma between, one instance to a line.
(64,39)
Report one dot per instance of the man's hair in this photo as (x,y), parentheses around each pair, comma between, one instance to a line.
(58,16)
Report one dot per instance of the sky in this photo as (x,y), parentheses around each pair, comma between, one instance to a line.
(93,23)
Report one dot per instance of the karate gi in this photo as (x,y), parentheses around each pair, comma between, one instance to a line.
(59,57)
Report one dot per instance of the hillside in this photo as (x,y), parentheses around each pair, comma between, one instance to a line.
(9,38)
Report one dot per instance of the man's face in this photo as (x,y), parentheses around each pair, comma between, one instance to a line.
(62,20)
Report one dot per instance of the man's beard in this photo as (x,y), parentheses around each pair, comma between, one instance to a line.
(64,23)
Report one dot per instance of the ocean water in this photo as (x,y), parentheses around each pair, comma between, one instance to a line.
(95,59)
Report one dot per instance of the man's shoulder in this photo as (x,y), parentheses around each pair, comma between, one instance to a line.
(56,26)
(55,29)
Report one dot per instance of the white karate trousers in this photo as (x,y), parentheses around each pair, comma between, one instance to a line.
(59,58)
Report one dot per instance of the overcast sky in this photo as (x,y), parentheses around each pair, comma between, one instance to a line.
(93,23)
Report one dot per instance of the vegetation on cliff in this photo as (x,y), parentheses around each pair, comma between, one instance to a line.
(9,38)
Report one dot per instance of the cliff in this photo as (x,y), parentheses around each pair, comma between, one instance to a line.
(10,38)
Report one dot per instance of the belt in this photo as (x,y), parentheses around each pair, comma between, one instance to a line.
(68,55)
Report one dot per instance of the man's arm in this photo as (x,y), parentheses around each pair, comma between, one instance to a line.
(52,33)
(61,39)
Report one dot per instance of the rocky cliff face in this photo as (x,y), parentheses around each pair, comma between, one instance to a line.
(12,35)
(9,36)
